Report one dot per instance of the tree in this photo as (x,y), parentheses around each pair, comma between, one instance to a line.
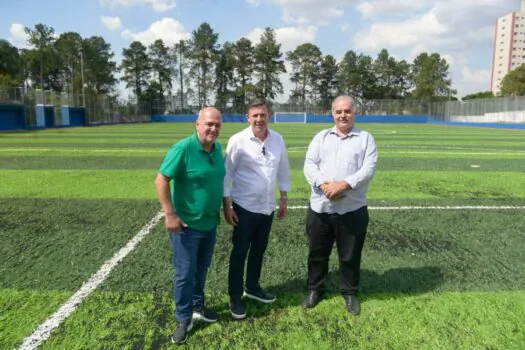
(243,56)
(41,38)
(513,84)
(349,78)
(68,46)
(181,52)
(136,68)
(224,76)
(328,81)
(306,61)
(430,74)
(357,77)
(11,69)
(99,66)
(203,56)
(268,65)
(161,65)
(478,95)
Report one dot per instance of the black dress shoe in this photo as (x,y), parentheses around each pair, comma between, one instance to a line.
(312,299)
(352,304)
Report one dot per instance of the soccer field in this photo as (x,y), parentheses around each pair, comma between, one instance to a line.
(443,264)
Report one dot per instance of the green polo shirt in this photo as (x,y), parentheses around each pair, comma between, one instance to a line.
(197,185)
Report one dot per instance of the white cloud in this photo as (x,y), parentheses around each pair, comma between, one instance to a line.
(18,36)
(448,25)
(112,23)
(253,2)
(168,29)
(157,5)
(312,11)
(288,37)
(345,27)
(475,77)
(415,33)
(374,8)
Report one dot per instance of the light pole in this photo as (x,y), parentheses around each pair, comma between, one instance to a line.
(82,75)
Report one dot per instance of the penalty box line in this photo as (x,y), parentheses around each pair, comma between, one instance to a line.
(43,332)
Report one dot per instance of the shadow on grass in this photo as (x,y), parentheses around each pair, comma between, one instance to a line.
(398,281)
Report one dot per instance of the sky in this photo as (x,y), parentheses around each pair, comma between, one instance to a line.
(462,31)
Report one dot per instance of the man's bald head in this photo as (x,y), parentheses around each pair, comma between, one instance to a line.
(208,125)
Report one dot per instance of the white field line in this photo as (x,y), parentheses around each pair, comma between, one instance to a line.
(43,331)
(446,207)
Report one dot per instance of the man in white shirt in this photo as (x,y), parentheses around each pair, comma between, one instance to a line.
(339,165)
(256,158)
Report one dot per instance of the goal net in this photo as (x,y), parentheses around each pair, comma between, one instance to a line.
(289,117)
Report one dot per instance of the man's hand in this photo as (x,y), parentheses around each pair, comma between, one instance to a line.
(334,190)
(174,224)
(230,216)
(283,208)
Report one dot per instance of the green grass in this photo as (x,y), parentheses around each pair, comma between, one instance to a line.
(394,320)
(70,198)
(21,311)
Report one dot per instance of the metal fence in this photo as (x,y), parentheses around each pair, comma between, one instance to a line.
(363,107)
(104,109)
(100,109)
(502,109)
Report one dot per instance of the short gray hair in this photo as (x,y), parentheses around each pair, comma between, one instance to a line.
(344,98)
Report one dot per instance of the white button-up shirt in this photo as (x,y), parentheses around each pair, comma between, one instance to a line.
(253,167)
(334,158)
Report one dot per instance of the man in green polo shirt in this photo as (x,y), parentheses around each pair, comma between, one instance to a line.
(196,167)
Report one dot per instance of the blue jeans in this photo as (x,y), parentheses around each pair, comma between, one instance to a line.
(250,238)
(192,254)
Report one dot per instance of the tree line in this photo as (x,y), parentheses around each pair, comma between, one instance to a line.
(201,70)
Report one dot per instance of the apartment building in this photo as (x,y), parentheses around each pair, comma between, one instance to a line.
(509,46)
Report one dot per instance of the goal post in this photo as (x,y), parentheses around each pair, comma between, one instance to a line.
(289,117)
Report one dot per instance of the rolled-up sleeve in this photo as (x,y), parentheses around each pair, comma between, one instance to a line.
(312,171)
(365,174)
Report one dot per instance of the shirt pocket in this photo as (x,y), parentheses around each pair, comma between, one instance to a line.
(352,161)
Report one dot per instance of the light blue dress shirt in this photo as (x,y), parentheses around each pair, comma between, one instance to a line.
(352,158)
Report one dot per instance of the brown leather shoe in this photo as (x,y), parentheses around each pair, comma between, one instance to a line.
(352,304)
(312,299)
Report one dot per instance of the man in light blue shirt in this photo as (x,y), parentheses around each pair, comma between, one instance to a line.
(339,165)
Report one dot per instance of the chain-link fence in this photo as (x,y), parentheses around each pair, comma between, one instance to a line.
(494,110)
(106,109)
(100,109)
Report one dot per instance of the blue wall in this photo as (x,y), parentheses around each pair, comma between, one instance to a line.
(73,116)
(12,117)
(45,116)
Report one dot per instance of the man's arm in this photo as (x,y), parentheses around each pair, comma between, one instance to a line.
(368,169)
(311,169)
(229,165)
(173,223)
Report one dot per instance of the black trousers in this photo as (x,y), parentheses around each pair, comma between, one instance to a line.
(250,238)
(348,231)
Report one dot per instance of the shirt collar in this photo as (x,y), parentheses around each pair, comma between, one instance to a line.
(200,145)
(355,131)
(250,134)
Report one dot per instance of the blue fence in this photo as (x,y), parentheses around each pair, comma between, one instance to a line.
(12,117)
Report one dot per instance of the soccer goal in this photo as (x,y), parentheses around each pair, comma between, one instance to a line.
(289,117)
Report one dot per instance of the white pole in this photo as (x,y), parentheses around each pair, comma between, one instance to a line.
(82,74)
